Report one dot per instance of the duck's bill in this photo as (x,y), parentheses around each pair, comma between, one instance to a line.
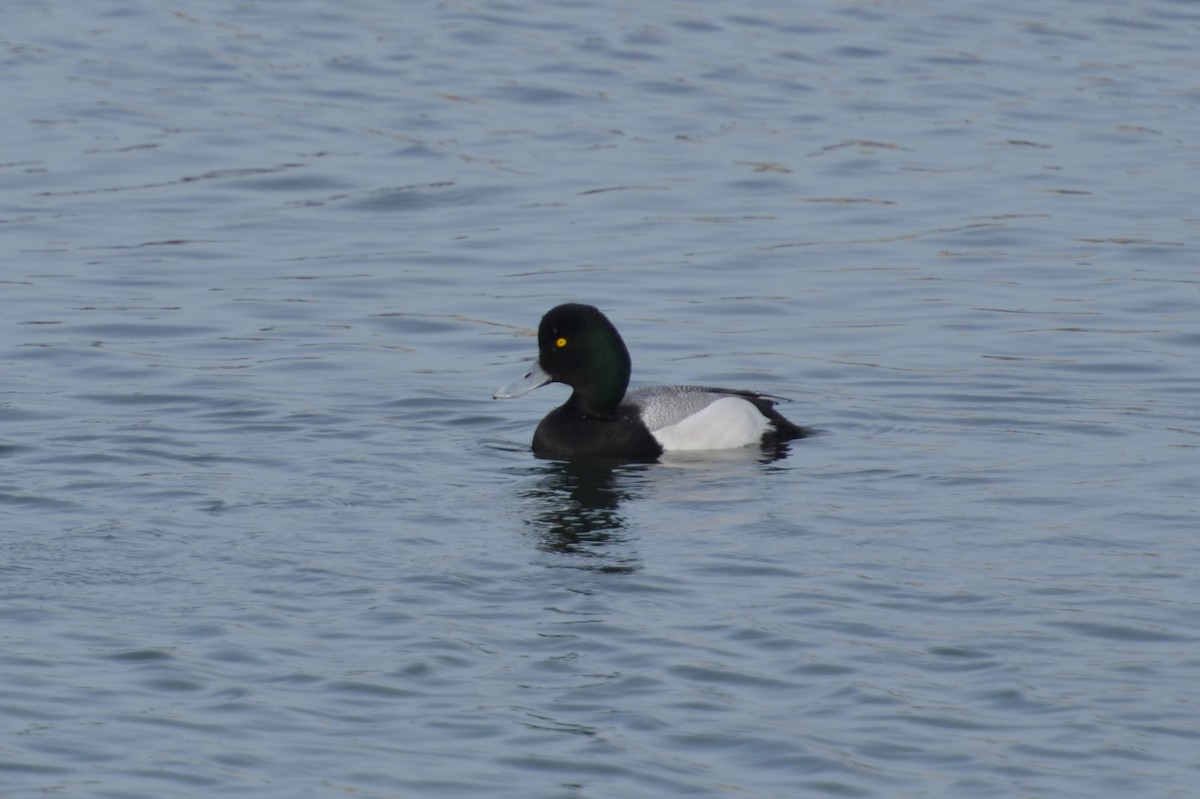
(534,378)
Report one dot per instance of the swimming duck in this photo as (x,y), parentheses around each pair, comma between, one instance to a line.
(579,346)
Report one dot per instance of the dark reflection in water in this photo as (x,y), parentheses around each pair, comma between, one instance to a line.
(579,513)
(776,450)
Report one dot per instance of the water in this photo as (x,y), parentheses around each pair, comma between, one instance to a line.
(264,533)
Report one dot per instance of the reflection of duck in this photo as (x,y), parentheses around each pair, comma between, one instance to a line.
(579,346)
(580,513)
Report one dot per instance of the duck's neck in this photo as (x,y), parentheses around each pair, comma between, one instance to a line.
(608,381)
(590,406)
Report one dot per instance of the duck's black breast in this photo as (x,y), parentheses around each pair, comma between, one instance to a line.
(568,433)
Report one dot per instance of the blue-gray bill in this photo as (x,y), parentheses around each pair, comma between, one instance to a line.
(536,377)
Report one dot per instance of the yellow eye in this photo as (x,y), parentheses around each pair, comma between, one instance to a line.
(562,342)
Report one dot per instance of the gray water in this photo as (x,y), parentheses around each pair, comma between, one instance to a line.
(264,533)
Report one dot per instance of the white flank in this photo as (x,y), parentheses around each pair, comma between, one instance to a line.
(728,423)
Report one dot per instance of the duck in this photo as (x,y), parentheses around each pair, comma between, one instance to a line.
(602,419)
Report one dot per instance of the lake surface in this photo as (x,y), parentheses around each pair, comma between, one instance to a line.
(263,532)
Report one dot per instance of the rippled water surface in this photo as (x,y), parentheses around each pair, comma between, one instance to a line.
(264,533)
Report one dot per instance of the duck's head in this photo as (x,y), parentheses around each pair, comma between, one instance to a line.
(577,345)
